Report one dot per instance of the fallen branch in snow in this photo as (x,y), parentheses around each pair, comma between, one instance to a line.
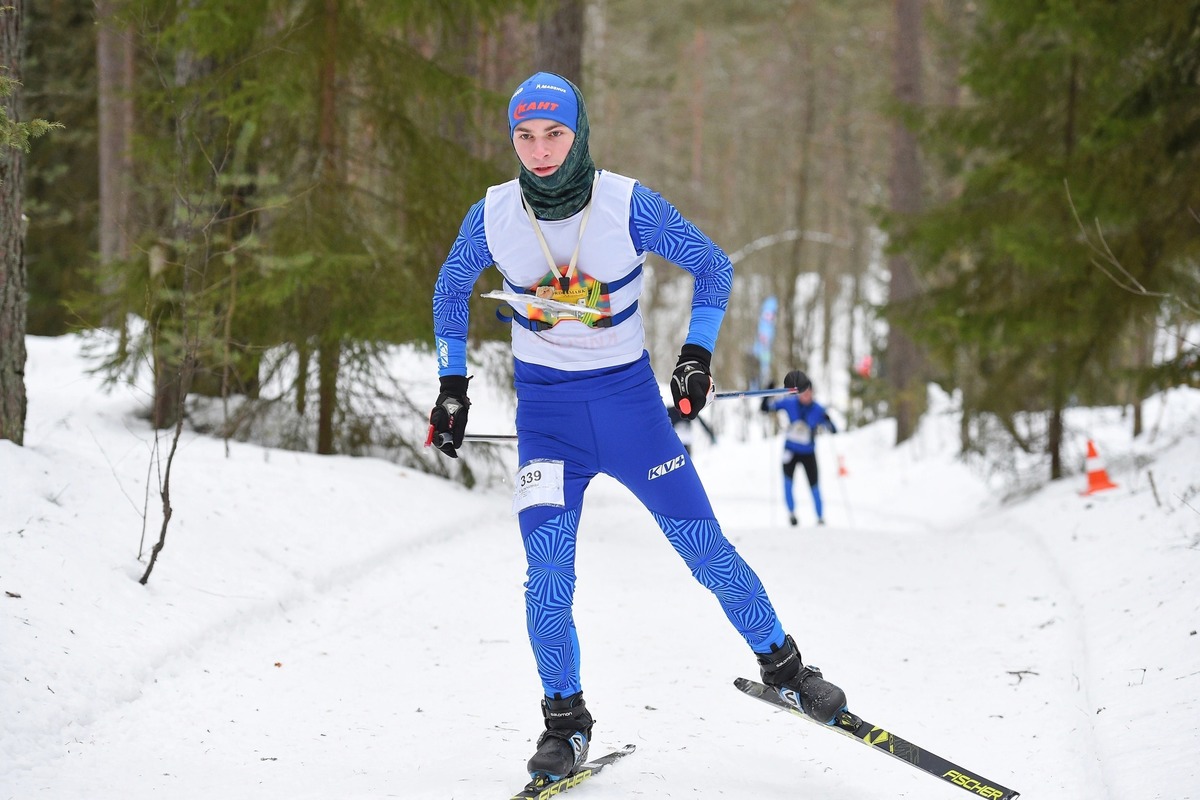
(1153,488)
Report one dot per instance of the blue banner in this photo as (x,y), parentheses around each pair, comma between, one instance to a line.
(765,339)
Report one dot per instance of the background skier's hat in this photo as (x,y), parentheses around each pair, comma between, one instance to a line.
(797,380)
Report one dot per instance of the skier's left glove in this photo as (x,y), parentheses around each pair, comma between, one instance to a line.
(765,405)
(448,420)
(692,382)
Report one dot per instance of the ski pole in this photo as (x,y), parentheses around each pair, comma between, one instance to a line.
(842,486)
(494,438)
(752,393)
(497,438)
(730,395)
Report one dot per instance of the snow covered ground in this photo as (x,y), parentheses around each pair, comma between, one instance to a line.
(328,627)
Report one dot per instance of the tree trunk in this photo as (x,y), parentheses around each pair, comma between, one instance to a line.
(328,352)
(328,358)
(1055,440)
(114,72)
(13,279)
(795,349)
(560,41)
(904,363)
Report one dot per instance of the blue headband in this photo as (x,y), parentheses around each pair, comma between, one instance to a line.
(544,96)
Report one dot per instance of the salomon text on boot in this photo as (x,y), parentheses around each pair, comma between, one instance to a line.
(804,687)
(563,746)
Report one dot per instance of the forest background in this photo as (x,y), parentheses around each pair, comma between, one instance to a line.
(252,199)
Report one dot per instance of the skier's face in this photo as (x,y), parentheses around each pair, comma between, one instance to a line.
(542,145)
(806,397)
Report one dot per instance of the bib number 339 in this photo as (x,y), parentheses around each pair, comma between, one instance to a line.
(538,483)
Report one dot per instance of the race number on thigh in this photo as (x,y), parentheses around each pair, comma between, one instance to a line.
(538,483)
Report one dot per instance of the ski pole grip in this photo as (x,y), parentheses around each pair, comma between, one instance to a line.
(685,405)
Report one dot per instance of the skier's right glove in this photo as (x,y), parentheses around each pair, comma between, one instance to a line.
(448,420)
(692,382)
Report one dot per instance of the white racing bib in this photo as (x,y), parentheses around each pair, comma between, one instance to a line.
(799,432)
(538,483)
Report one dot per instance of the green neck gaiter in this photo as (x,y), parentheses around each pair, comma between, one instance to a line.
(569,189)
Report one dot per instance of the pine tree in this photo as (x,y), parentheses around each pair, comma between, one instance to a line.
(319,158)
(1074,112)
(14,143)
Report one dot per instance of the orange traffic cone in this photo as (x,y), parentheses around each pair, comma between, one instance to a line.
(842,471)
(1097,476)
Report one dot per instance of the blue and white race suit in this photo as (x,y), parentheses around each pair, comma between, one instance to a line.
(588,401)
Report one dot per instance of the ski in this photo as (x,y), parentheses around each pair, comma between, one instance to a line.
(854,726)
(542,788)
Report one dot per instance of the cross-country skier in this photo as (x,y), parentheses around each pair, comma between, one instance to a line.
(805,418)
(587,399)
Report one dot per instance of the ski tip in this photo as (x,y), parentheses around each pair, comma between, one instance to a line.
(745,684)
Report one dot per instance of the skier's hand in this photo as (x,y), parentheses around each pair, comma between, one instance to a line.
(765,405)
(448,420)
(692,382)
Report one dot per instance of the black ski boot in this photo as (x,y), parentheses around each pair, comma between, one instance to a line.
(803,687)
(563,746)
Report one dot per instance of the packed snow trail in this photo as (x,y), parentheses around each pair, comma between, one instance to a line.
(414,678)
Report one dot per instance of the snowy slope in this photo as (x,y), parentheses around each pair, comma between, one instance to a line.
(346,628)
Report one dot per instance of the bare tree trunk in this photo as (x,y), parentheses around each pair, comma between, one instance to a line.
(794,345)
(560,41)
(1143,358)
(699,56)
(114,71)
(186,370)
(303,354)
(1054,440)
(328,352)
(169,317)
(904,363)
(328,359)
(13,278)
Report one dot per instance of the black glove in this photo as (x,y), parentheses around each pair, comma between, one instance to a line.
(765,405)
(692,381)
(448,420)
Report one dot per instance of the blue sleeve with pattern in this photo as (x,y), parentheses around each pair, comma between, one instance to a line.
(469,257)
(657,226)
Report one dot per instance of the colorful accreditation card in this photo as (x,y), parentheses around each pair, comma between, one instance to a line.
(581,290)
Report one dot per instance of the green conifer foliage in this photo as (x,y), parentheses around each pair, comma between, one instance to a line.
(1075,151)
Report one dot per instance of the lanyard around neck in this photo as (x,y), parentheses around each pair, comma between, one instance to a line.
(564,278)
